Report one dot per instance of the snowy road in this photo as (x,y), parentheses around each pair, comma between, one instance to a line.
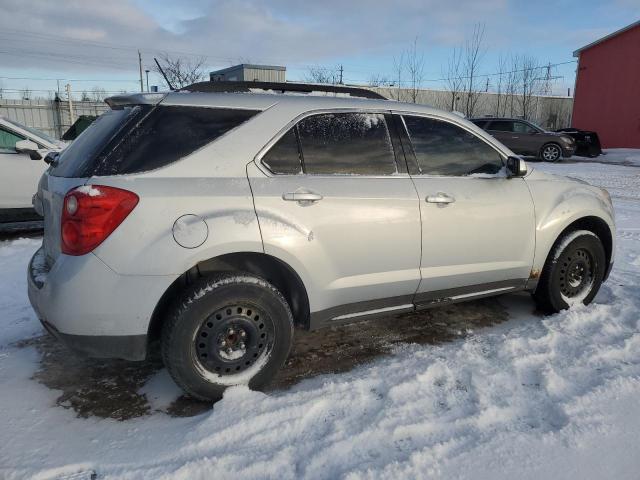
(532,397)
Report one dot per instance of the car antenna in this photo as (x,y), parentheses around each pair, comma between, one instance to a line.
(171,87)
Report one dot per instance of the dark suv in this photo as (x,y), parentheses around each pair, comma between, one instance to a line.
(526,138)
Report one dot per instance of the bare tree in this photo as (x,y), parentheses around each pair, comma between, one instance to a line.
(473,53)
(181,71)
(398,69)
(501,86)
(377,80)
(317,74)
(415,69)
(530,82)
(85,96)
(98,94)
(453,79)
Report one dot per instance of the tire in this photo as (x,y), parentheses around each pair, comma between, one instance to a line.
(224,331)
(572,273)
(551,152)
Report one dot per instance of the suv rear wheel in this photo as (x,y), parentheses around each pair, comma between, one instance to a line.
(572,273)
(225,331)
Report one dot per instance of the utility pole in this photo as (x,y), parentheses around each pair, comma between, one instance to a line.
(140,65)
(340,82)
(147,72)
(72,117)
(486,89)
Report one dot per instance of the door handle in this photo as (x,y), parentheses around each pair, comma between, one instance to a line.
(301,197)
(440,198)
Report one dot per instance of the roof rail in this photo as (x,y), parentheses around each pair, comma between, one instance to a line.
(230,87)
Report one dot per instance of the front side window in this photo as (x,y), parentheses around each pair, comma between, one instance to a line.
(346,144)
(8,141)
(521,127)
(443,148)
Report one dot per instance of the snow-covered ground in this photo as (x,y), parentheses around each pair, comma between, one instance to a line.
(616,156)
(533,397)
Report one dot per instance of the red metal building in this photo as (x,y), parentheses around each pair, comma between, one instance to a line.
(607,92)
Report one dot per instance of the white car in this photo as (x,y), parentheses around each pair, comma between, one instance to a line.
(215,222)
(22,152)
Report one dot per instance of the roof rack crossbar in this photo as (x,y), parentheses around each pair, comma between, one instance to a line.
(231,87)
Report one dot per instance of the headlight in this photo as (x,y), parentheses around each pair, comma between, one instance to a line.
(567,140)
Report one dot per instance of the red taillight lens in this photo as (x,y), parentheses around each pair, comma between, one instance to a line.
(90,214)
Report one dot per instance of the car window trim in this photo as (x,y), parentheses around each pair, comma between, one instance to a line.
(400,172)
(502,155)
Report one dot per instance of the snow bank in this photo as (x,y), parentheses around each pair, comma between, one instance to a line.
(533,397)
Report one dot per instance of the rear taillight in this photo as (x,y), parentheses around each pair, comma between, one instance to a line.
(90,214)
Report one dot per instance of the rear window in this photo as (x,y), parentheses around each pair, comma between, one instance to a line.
(141,138)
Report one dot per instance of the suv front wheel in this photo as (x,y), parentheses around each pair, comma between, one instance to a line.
(224,331)
(573,272)
(551,152)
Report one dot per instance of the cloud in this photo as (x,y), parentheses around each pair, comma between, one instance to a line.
(96,33)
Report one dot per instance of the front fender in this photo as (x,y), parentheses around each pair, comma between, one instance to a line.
(558,204)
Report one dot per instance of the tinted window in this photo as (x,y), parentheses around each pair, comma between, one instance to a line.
(79,158)
(284,156)
(8,141)
(480,123)
(139,139)
(521,127)
(501,126)
(346,144)
(442,148)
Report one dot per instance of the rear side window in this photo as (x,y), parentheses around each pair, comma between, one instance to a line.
(284,156)
(442,148)
(141,138)
(346,144)
(501,126)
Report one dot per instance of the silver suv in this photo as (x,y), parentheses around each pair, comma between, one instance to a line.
(213,223)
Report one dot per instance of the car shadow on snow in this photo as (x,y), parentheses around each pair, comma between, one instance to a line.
(115,389)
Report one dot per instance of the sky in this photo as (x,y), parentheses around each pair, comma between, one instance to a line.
(94,43)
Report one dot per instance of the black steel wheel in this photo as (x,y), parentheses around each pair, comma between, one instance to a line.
(224,331)
(232,339)
(576,273)
(573,272)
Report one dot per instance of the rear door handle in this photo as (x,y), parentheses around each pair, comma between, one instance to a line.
(440,198)
(301,197)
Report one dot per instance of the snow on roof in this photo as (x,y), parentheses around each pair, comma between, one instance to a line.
(606,37)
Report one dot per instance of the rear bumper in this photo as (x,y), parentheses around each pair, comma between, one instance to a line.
(94,310)
(127,347)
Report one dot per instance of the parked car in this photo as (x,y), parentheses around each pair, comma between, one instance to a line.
(526,138)
(214,223)
(587,143)
(22,150)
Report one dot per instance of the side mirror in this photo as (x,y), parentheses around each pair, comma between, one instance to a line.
(51,158)
(516,167)
(27,146)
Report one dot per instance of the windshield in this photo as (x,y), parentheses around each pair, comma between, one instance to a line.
(34,131)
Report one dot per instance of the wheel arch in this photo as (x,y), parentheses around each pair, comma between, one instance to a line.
(591,223)
(263,265)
